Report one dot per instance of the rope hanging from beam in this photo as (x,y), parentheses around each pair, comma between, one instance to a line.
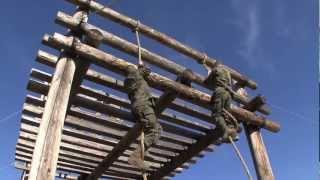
(234,120)
(140,62)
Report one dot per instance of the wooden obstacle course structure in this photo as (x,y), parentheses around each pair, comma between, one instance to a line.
(80,129)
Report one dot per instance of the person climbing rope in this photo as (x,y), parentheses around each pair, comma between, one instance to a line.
(142,107)
(221,98)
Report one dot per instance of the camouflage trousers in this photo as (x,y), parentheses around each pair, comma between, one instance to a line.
(151,127)
(221,100)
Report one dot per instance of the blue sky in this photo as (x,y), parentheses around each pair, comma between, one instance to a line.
(273,42)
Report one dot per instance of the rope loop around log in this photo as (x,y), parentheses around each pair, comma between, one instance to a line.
(137,26)
(203,61)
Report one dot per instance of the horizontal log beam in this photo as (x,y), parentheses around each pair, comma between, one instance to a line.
(78,120)
(89,103)
(132,49)
(120,66)
(158,36)
(99,78)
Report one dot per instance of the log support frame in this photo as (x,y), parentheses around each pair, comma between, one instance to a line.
(256,144)
(65,82)
(73,66)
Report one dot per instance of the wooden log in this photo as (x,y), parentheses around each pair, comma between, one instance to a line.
(168,96)
(82,162)
(120,66)
(45,157)
(162,150)
(75,141)
(158,36)
(66,166)
(89,103)
(146,55)
(60,175)
(257,147)
(102,96)
(83,116)
(116,84)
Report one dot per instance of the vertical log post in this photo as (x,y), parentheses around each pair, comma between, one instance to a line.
(257,147)
(46,151)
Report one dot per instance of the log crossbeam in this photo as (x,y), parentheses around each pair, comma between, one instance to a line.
(78,129)
(158,36)
(132,49)
(120,66)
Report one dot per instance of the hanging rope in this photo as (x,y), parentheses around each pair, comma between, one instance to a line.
(140,62)
(204,63)
(144,174)
(138,43)
(234,120)
(241,159)
(236,148)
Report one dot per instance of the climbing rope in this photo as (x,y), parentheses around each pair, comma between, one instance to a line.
(241,158)
(245,166)
(140,62)
(138,42)
(203,62)
(144,174)
(234,120)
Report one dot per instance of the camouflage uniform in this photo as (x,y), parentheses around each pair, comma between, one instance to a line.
(221,99)
(142,105)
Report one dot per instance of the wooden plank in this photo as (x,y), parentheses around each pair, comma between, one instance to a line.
(163,149)
(80,145)
(132,49)
(257,147)
(89,103)
(80,161)
(118,85)
(58,175)
(79,169)
(120,66)
(158,36)
(184,156)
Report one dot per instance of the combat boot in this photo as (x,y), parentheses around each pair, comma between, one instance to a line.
(230,132)
(136,160)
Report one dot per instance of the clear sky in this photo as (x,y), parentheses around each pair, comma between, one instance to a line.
(274,42)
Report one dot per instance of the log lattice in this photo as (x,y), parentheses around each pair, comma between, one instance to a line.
(76,122)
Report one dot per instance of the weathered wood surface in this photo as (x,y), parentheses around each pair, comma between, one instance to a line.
(47,147)
(73,121)
(25,167)
(99,78)
(89,103)
(257,148)
(80,147)
(120,66)
(132,49)
(158,36)
(45,156)
(210,138)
